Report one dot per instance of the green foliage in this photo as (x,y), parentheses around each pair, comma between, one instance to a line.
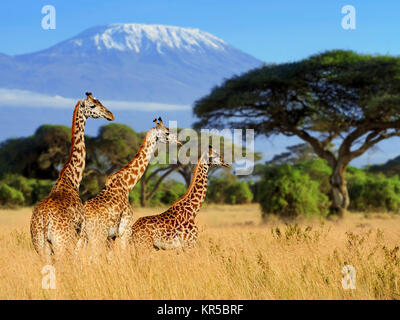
(31,190)
(318,170)
(116,144)
(171,191)
(294,154)
(226,188)
(43,153)
(288,192)
(238,193)
(281,186)
(389,168)
(134,195)
(335,95)
(370,192)
(314,94)
(10,197)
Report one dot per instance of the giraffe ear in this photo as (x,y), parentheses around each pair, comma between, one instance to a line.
(160,123)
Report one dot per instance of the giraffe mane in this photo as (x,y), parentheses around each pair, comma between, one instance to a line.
(191,182)
(133,159)
(72,142)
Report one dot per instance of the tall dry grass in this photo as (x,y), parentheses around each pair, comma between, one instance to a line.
(237,257)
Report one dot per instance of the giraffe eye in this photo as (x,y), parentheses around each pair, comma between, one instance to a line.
(93,106)
(167,133)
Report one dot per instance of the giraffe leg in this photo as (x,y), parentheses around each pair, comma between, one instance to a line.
(125,230)
(37,235)
(97,239)
(63,241)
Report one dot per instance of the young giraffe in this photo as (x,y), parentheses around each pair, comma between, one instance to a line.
(176,228)
(110,214)
(56,220)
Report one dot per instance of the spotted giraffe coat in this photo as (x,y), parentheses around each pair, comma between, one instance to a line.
(176,227)
(109,215)
(57,220)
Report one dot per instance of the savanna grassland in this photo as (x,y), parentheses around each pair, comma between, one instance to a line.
(237,257)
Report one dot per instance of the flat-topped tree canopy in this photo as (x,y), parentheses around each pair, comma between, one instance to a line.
(337,95)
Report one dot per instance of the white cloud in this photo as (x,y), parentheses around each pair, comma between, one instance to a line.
(24,98)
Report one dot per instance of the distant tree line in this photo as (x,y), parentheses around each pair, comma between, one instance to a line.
(30,165)
(293,183)
(299,185)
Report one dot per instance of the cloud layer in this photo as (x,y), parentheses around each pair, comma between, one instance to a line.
(24,98)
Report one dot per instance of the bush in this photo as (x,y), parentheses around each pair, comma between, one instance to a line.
(172,191)
(226,188)
(286,191)
(168,192)
(32,190)
(370,192)
(238,193)
(10,197)
(318,170)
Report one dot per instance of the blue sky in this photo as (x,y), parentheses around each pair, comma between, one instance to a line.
(273,31)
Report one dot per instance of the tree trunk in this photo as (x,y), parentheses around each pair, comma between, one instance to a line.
(339,193)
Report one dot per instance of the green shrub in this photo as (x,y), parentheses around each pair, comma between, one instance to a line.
(134,195)
(33,190)
(318,170)
(10,197)
(41,189)
(227,188)
(173,190)
(238,193)
(168,192)
(288,192)
(374,193)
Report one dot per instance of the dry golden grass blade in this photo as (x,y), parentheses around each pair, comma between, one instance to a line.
(237,257)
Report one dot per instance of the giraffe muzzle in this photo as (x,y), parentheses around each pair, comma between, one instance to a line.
(110,116)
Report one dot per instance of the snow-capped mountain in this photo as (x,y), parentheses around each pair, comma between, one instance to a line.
(139,71)
(142,37)
(131,62)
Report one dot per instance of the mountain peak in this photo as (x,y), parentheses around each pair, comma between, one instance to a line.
(129,62)
(144,37)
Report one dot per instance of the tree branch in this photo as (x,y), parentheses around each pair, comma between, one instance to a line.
(317,145)
(160,180)
(372,139)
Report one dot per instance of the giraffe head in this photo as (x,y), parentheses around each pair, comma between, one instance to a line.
(163,134)
(214,159)
(92,108)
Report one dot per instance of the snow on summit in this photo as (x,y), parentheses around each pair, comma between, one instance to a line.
(138,37)
(129,62)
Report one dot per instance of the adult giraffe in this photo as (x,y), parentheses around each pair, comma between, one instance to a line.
(57,219)
(176,228)
(109,214)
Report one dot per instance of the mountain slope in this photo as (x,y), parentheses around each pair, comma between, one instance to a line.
(132,62)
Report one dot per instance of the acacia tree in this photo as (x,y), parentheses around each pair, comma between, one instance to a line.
(337,96)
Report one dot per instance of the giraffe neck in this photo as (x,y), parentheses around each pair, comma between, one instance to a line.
(73,170)
(197,190)
(129,175)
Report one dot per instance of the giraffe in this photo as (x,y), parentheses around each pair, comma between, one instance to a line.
(56,220)
(175,227)
(109,214)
